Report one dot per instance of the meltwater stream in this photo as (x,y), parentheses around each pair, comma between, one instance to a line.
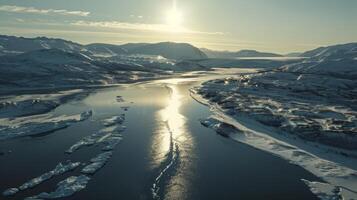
(165,152)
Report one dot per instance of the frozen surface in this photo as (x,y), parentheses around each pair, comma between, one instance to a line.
(65,188)
(60,169)
(97,163)
(36,125)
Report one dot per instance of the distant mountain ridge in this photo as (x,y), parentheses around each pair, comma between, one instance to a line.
(179,51)
(238,54)
(344,51)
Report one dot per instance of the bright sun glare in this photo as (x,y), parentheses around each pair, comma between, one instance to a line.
(174,18)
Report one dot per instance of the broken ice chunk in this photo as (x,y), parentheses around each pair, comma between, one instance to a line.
(99,137)
(114,120)
(60,169)
(125,108)
(86,115)
(209,122)
(65,188)
(10,192)
(221,128)
(111,143)
(97,163)
(120,99)
(86,141)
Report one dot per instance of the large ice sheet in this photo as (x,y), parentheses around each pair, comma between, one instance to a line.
(29,126)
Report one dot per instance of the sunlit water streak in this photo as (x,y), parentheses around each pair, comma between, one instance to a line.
(171,137)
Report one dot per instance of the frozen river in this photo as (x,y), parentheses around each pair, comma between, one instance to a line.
(165,152)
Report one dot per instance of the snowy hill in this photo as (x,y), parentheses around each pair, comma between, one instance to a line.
(253,53)
(178,51)
(338,61)
(342,51)
(238,54)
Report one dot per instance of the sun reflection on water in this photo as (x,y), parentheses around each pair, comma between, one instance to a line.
(171,144)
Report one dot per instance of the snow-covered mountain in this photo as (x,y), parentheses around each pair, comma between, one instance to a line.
(178,51)
(57,68)
(238,54)
(337,60)
(336,52)
(17,45)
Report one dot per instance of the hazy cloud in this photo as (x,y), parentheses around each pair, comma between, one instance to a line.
(20,9)
(140,27)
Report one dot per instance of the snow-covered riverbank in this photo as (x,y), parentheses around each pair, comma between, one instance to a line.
(307,119)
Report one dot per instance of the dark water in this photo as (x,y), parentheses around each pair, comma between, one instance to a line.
(165,153)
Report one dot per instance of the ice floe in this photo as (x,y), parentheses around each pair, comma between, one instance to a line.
(32,126)
(59,169)
(65,188)
(10,192)
(108,136)
(26,105)
(97,163)
(114,120)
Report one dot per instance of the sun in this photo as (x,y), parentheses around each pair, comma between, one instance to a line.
(174,18)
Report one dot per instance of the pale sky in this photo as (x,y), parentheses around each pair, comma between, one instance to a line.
(267,25)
